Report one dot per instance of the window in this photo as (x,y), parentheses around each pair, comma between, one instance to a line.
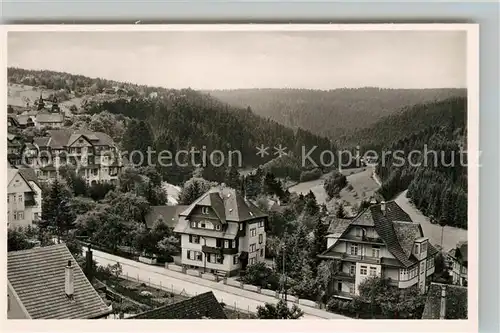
(194,224)
(219,258)
(20,215)
(199,256)
(218,242)
(252,248)
(373,271)
(431,262)
(204,210)
(358,232)
(416,249)
(226,244)
(20,198)
(15,216)
(253,232)
(218,227)
(363,270)
(424,248)
(354,249)
(261,238)
(194,239)
(252,261)
(261,224)
(241,226)
(352,270)
(262,252)
(375,252)
(233,244)
(194,255)
(203,225)
(235,260)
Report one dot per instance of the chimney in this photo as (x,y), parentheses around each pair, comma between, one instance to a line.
(382,207)
(442,311)
(68,280)
(89,263)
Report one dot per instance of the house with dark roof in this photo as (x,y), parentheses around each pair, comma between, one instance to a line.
(47,283)
(93,155)
(221,232)
(445,301)
(24,197)
(457,259)
(14,148)
(203,306)
(381,241)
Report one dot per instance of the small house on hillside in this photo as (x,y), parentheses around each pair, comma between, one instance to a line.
(47,283)
(458,262)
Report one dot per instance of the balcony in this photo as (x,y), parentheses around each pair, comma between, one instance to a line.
(218,250)
(361,258)
(363,239)
(343,276)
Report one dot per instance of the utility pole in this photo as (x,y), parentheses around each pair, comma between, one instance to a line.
(284,270)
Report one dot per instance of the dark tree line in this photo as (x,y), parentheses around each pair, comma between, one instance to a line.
(333,113)
(436,178)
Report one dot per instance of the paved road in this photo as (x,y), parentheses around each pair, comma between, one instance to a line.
(191,285)
(451,235)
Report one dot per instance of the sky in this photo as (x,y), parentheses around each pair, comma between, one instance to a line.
(231,60)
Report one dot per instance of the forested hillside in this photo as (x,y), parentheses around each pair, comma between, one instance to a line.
(176,120)
(333,113)
(437,183)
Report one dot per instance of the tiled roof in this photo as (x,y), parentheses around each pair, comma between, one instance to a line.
(38,278)
(395,227)
(61,138)
(29,175)
(203,306)
(455,305)
(337,226)
(228,205)
(169,214)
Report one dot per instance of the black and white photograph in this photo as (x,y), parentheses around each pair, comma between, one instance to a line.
(241,173)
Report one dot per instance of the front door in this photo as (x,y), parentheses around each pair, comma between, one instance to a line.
(339,286)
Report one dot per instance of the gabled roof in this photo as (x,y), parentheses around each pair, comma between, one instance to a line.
(203,306)
(227,204)
(45,117)
(169,214)
(455,302)
(394,227)
(60,138)
(29,175)
(12,172)
(24,119)
(38,278)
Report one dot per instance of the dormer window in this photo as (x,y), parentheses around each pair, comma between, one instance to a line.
(416,249)
(218,227)
(204,210)
(424,247)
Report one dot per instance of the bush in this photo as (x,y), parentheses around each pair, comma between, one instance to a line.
(313,174)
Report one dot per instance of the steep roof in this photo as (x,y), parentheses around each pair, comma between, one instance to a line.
(29,175)
(38,278)
(12,172)
(169,214)
(203,306)
(228,205)
(45,117)
(61,138)
(455,302)
(394,227)
(337,226)
(460,252)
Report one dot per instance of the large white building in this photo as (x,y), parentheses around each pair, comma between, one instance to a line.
(381,241)
(222,232)
(93,155)
(24,198)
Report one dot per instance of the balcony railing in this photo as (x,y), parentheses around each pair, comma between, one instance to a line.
(362,258)
(218,250)
(343,294)
(344,276)
(365,239)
